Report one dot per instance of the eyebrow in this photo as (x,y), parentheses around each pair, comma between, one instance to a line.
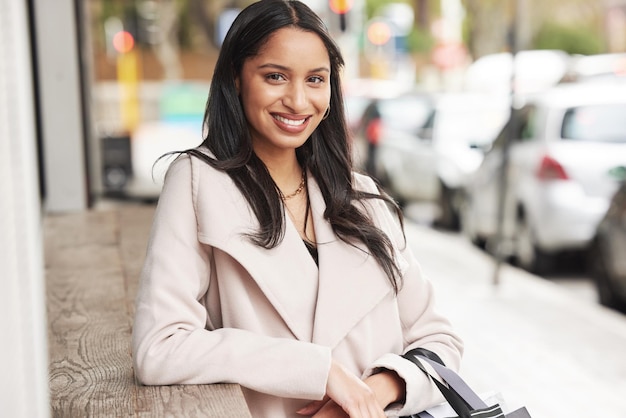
(283,68)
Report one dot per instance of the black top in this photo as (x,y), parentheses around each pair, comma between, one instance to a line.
(312,250)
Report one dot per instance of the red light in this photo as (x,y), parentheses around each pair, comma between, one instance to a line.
(551,169)
(340,6)
(123,42)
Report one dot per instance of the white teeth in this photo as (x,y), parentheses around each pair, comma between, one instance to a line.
(290,122)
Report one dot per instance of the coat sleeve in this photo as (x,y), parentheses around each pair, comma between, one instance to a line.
(171,343)
(422,324)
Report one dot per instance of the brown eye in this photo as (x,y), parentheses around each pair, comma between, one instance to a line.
(275,77)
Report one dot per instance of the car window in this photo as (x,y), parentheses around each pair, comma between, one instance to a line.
(406,113)
(354,108)
(478,125)
(595,123)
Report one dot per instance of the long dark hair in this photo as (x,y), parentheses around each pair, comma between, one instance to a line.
(326,154)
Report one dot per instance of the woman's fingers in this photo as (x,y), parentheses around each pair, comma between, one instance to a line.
(312,407)
(356,398)
(331,410)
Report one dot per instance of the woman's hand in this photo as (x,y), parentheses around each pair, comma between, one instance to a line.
(326,408)
(347,396)
(388,387)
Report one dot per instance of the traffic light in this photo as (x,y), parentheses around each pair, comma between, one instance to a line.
(123,42)
(120,38)
(341,7)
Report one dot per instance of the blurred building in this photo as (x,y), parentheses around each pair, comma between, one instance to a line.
(615,24)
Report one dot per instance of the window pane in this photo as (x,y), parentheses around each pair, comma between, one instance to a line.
(596,123)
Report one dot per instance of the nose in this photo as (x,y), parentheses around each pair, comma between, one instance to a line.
(296,98)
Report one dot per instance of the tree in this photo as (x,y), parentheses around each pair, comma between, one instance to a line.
(487,26)
(571,39)
(489,22)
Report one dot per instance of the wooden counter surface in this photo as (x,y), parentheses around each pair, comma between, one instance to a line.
(93,260)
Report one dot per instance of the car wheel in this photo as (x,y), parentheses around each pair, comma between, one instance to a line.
(448,217)
(527,255)
(607,294)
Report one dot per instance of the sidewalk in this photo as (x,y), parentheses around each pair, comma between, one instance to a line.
(527,338)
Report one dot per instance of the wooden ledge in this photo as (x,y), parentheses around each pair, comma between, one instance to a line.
(93,260)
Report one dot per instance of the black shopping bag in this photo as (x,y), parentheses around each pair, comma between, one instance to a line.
(461,399)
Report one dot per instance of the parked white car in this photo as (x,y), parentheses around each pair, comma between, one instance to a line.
(361,95)
(599,67)
(534,70)
(432,163)
(565,145)
(150,142)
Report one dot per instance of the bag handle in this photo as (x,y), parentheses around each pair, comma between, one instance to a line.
(455,400)
(457,392)
(455,382)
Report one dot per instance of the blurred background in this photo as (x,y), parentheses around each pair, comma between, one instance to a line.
(430,86)
(497,123)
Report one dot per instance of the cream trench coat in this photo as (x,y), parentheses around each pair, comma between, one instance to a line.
(213,307)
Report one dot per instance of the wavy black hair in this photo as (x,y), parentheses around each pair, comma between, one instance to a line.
(326,153)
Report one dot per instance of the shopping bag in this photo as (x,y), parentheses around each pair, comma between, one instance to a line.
(445,410)
(462,401)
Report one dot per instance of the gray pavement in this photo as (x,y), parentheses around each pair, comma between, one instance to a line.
(528,338)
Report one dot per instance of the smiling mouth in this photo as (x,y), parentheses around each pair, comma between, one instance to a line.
(290,122)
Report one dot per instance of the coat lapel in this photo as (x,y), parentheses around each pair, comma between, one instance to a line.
(320,306)
(351,283)
(286,274)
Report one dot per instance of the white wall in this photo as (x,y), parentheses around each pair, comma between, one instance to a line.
(23,351)
(61,113)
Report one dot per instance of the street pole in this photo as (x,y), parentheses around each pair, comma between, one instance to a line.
(500,252)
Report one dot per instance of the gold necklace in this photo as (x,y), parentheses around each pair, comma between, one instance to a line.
(298,190)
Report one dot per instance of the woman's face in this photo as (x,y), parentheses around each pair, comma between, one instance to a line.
(285,90)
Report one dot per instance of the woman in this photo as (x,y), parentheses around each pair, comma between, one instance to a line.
(270,263)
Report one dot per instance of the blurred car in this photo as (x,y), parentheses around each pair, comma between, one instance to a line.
(598,67)
(131,164)
(393,117)
(429,160)
(534,71)
(565,143)
(607,259)
(360,95)
(151,141)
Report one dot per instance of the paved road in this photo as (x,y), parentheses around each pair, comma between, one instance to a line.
(577,284)
(535,340)
(569,275)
